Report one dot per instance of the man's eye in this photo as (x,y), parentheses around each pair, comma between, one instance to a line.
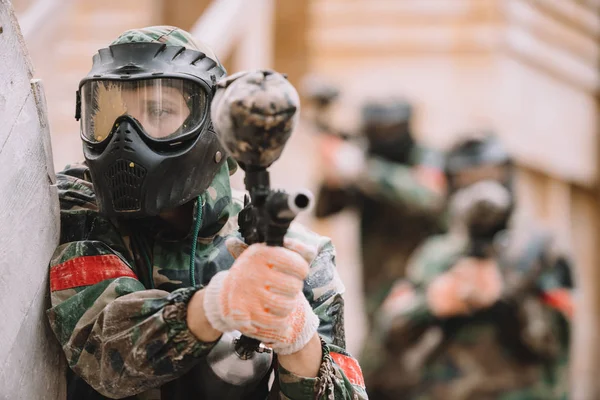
(158,112)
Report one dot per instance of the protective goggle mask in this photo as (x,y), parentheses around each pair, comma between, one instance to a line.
(167,109)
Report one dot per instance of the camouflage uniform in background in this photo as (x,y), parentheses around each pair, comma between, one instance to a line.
(120,290)
(399,196)
(514,349)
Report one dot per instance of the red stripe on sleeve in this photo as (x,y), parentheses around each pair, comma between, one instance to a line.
(350,367)
(432,178)
(87,270)
(561,300)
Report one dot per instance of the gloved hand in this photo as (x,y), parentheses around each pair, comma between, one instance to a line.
(343,162)
(470,285)
(261,295)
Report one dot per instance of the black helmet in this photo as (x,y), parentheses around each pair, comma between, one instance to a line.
(478,149)
(385,117)
(386,125)
(145,122)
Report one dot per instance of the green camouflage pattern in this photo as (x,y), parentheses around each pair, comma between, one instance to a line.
(126,335)
(335,381)
(168,35)
(397,213)
(515,350)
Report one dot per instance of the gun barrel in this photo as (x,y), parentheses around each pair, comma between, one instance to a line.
(299,201)
(283,207)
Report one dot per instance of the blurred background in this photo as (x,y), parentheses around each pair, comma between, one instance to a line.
(528,69)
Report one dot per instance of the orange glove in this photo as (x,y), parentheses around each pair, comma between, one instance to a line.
(342,162)
(472,284)
(261,296)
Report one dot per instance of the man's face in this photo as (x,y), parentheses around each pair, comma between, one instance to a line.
(161,110)
(160,106)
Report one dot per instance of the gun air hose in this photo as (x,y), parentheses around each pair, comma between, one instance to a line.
(197,224)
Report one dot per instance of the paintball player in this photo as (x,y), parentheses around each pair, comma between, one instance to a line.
(151,276)
(484,310)
(397,185)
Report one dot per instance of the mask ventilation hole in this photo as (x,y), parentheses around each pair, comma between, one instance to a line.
(125,180)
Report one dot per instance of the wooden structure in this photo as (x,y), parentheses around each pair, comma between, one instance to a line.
(31,363)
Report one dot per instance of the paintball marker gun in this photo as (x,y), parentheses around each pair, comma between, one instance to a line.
(254,114)
(482,209)
(321,95)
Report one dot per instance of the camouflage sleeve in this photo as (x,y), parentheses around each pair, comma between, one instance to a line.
(556,282)
(405,313)
(332,200)
(117,336)
(420,187)
(556,291)
(544,315)
(340,375)
(402,319)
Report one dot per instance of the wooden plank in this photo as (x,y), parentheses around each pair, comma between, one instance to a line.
(222,24)
(40,15)
(388,40)
(291,44)
(16,69)
(553,31)
(357,14)
(582,17)
(420,10)
(28,237)
(549,124)
(552,60)
(39,97)
(255,47)
(585,350)
(183,13)
(31,362)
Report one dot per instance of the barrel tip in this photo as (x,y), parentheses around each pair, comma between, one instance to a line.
(301,201)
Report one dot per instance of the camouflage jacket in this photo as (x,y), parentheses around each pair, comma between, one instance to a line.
(120,290)
(400,205)
(516,349)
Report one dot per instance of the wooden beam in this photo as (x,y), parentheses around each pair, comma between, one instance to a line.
(255,46)
(291,38)
(182,13)
(578,15)
(553,61)
(553,31)
(334,11)
(396,40)
(222,25)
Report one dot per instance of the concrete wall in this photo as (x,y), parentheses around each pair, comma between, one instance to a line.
(31,364)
